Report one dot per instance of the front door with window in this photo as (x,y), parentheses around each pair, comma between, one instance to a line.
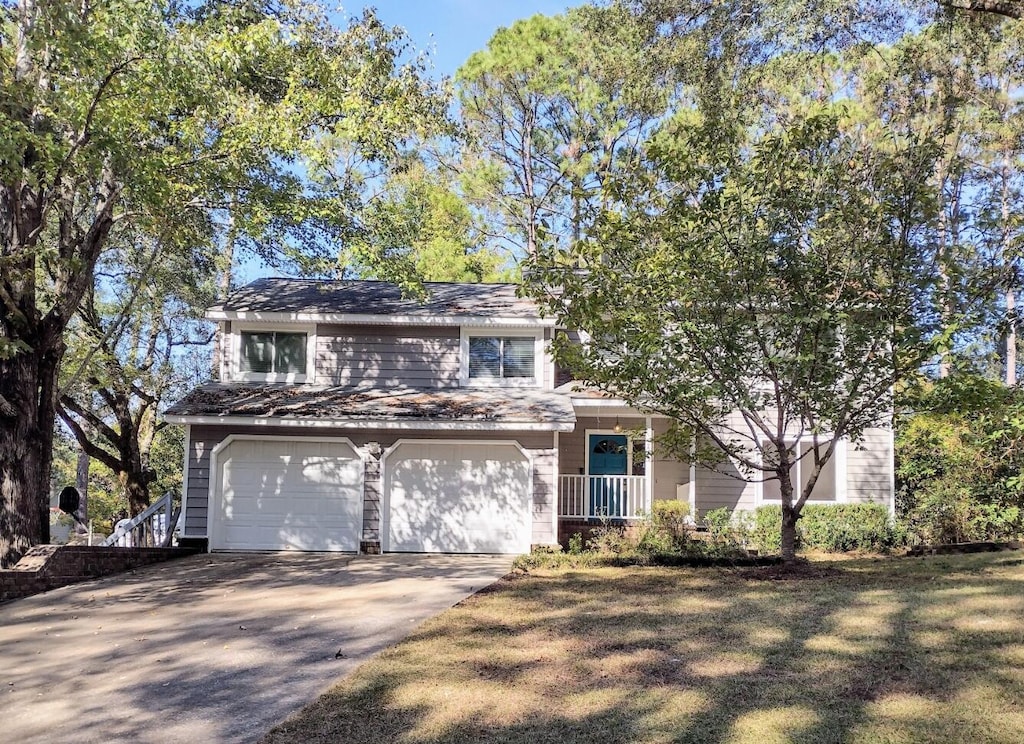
(609,455)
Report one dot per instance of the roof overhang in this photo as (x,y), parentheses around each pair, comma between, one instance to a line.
(360,408)
(369,423)
(483,321)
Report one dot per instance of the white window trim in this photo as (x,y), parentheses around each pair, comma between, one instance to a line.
(538,357)
(237,329)
(838,457)
(184,481)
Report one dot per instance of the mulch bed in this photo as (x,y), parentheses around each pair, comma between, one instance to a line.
(962,548)
(798,570)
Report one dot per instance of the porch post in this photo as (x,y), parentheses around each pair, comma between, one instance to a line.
(557,496)
(648,465)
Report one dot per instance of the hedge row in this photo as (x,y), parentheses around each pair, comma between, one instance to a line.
(836,528)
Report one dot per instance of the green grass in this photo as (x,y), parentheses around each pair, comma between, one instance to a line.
(868,650)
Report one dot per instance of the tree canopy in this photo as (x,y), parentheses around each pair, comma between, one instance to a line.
(162,120)
(763,293)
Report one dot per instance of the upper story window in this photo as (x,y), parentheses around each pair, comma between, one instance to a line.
(507,357)
(501,358)
(272,355)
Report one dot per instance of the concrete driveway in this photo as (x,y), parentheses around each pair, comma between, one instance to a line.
(211,648)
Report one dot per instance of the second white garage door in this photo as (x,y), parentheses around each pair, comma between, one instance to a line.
(287,494)
(446,497)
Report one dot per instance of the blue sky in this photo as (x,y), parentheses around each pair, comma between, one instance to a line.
(453,29)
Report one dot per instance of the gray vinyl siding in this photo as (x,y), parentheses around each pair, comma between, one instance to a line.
(869,468)
(723,487)
(545,488)
(422,357)
(201,443)
(539,445)
(868,476)
(669,472)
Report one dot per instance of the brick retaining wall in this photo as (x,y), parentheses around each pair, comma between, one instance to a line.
(46,567)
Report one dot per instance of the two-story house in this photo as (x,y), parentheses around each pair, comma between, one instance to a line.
(350,418)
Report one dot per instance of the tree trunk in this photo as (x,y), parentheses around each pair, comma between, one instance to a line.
(136,489)
(224,289)
(1006,249)
(27,388)
(789,519)
(946,310)
(82,486)
(1011,338)
(789,514)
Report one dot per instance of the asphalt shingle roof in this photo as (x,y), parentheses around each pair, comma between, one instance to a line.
(377,404)
(378,298)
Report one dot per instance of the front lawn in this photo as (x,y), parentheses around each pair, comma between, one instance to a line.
(874,650)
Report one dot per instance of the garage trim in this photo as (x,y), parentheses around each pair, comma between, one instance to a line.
(216,479)
(385,512)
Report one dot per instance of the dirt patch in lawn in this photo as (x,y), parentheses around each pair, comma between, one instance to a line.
(905,650)
(798,571)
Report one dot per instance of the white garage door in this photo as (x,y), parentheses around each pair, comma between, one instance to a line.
(445,497)
(277,494)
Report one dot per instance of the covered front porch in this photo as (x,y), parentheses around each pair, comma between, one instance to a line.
(609,469)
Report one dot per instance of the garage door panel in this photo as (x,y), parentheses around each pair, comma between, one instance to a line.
(289,495)
(449,497)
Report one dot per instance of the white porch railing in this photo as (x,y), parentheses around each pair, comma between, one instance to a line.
(152,528)
(597,496)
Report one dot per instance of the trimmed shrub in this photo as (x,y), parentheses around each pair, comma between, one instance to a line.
(840,528)
(665,530)
(836,528)
(766,532)
(671,515)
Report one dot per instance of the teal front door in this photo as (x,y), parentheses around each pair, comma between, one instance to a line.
(609,455)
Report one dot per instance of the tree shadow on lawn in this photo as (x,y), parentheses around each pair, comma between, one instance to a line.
(897,650)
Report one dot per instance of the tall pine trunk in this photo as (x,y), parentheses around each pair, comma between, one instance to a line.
(1006,250)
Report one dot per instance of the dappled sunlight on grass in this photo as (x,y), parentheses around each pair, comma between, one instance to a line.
(670,711)
(932,639)
(833,644)
(725,665)
(762,637)
(779,725)
(871,650)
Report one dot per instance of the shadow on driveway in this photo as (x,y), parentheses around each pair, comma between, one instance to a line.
(212,647)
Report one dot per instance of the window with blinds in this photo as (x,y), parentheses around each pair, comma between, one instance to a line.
(273,352)
(496,357)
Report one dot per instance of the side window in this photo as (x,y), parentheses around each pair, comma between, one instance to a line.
(824,490)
